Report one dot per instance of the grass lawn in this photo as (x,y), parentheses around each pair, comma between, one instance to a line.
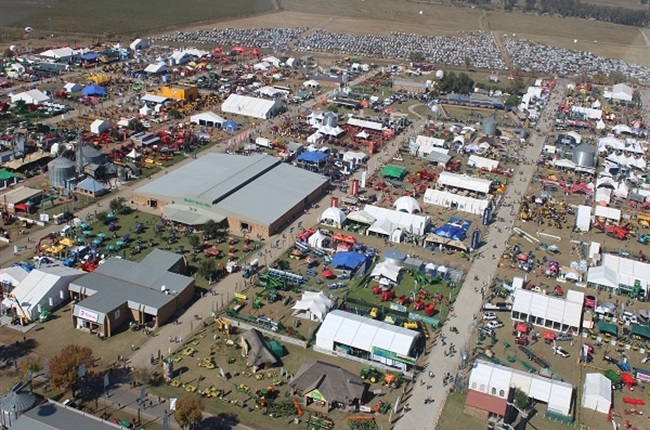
(130,17)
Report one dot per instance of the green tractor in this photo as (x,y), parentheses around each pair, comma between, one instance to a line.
(371,374)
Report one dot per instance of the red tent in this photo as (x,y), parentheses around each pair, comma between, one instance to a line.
(549,335)
(522,327)
(633,401)
(522,257)
(328,274)
(628,380)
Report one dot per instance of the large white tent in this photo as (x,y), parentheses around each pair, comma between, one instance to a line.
(386,343)
(607,212)
(496,380)
(333,216)
(461,203)
(99,126)
(316,239)
(482,163)
(31,97)
(386,270)
(250,106)
(597,393)
(616,271)
(549,312)
(362,217)
(583,218)
(407,204)
(426,144)
(464,182)
(209,119)
(406,222)
(45,288)
(313,306)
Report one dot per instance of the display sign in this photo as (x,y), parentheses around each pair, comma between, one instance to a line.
(393,356)
(87,315)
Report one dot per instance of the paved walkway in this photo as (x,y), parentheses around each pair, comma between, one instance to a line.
(469,300)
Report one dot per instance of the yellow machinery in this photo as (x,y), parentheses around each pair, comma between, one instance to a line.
(23,315)
(643,220)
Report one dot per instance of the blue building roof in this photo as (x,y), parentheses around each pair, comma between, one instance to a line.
(314,157)
(91,186)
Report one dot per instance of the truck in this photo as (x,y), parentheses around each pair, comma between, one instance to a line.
(263,142)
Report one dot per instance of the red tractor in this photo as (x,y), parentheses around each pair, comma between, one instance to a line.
(613,230)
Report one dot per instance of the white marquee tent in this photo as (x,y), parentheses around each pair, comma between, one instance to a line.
(615,271)
(496,380)
(482,163)
(415,224)
(583,218)
(208,118)
(333,216)
(313,306)
(250,106)
(607,212)
(462,203)
(407,204)
(362,217)
(386,270)
(427,144)
(316,239)
(464,182)
(549,312)
(597,393)
(365,334)
(99,126)
(45,287)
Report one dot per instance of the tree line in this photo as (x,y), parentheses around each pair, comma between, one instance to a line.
(579,9)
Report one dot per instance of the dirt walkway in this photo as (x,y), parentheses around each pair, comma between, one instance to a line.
(469,300)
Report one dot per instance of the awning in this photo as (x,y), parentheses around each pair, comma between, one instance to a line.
(190,215)
(641,331)
(605,327)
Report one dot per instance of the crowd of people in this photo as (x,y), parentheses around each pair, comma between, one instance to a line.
(565,62)
(262,38)
(478,47)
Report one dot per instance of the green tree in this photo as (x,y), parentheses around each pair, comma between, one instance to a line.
(521,400)
(416,57)
(512,100)
(189,411)
(616,77)
(117,205)
(64,368)
(206,268)
(194,240)
(468,61)
(211,229)
(31,365)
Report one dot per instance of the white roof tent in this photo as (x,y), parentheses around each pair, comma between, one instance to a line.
(45,288)
(427,144)
(583,218)
(496,380)
(313,306)
(458,202)
(406,222)
(155,69)
(407,204)
(609,213)
(365,123)
(549,312)
(597,393)
(31,97)
(620,92)
(616,271)
(209,119)
(386,343)
(464,182)
(482,163)
(250,106)
(333,216)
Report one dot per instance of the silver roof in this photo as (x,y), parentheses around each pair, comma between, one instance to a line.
(55,416)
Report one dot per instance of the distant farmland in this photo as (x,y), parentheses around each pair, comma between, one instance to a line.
(125,17)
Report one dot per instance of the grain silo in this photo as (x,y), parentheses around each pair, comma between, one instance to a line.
(60,171)
(92,155)
(489,126)
(584,155)
(16,403)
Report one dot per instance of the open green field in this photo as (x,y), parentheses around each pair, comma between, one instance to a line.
(122,17)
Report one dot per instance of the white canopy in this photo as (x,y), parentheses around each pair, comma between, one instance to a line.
(549,312)
(362,217)
(426,144)
(583,218)
(607,212)
(362,135)
(464,182)
(386,270)
(415,224)
(133,154)
(354,156)
(334,215)
(313,306)
(316,239)
(208,119)
(382,227)
(407,204)
(563,162)
(597,393)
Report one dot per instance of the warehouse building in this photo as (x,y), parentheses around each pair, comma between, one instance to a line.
(251,106)
(344,333)
(258,194)
(121,291)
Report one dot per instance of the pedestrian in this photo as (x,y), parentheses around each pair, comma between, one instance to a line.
(119,406)
(132,347)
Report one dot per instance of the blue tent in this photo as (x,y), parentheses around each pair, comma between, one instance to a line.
(94,90)
(314,157)
(229,126)
(348,260)
(90,56)
(450,232)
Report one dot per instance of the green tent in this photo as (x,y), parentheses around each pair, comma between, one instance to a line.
(641,330)
(6,175)
(393,172)
(605,327)
(277,348)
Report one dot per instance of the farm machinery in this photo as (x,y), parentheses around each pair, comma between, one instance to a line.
(363,422)
(373,375)
(613,230)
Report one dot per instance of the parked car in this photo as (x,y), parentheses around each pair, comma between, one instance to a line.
(560,351)
(564,337)
(489,316)
(494,324)
(522,340)
(590,302)
(486,331)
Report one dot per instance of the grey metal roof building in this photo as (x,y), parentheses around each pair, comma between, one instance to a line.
(149,291)
(54,416)
(258,193)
